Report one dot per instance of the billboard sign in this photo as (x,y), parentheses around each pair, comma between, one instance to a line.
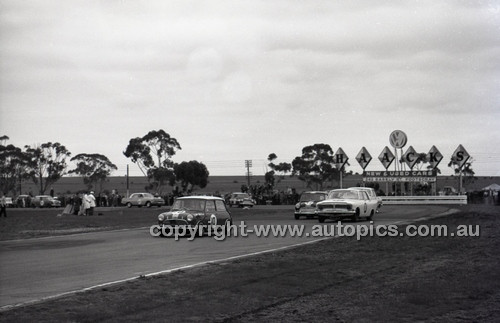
(434,157)
(363,157)
(340,158)
(410,157)
(386,157)
(460,156)
(398,139)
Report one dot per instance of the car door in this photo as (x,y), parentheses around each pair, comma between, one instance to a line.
(221,211)
(211,213)
(365,199)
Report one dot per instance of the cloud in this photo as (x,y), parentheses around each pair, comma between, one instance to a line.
(254,76)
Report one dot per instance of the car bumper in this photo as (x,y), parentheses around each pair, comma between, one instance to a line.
(244,203)
(309,212)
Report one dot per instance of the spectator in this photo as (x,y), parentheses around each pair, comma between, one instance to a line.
(85,204)
(91,200)
(3,205)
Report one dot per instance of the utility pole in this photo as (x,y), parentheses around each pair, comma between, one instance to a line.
(248,164)
(128,194)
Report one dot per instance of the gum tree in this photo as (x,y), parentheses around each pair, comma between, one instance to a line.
(315,166)
(94,169)
(152,153)
(46,163)
(279,170)
(191,174)
(13,167)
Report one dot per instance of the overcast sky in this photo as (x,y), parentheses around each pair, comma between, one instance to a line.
(238,80)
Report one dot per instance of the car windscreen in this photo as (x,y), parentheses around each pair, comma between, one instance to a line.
(189,205)
(343,195)
(305,197)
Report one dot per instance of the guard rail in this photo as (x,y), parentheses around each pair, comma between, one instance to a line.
(426,199)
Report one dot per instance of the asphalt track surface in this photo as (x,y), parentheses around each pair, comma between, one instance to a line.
(36,269)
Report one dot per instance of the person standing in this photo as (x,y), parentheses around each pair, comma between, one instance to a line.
(92,204)
(3,205)
(85,204)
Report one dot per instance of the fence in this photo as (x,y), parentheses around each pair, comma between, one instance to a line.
(449,199)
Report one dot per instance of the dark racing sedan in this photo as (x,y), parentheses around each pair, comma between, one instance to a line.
(307,203)
(195,214)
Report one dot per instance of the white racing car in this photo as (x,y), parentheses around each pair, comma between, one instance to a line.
(371,194)
(346,203)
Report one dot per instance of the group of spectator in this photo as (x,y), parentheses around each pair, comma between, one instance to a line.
(85,204)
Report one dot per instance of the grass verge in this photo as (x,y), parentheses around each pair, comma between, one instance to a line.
(35,223)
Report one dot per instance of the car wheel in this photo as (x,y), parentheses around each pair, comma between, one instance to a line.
(148,204)
(226,228)
(297,216)
(321,219)
(129,204)
(201,231)
(355,216)
(371,216)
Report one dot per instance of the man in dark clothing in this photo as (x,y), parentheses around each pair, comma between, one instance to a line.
(3,205)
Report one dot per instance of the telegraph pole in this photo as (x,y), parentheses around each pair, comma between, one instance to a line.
(128,194)
(248,164)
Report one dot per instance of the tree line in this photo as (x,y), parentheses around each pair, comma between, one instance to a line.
(45,164)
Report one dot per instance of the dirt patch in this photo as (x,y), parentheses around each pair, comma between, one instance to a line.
(373,280)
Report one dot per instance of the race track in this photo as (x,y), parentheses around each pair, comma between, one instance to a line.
(36,269)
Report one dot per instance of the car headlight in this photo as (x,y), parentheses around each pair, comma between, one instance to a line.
(190,217)
(297,206)
(161,217)
(349,206)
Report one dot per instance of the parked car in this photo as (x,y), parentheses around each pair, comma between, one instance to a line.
(241,200)
(45,201)
(8,201)
(193,211)
(346,203)
(142,199)
(372,194)
(307,203)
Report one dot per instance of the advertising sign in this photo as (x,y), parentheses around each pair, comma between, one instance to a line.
(410,157)
(460,156)
(340,158)
(363,158)
(434,157)
(386,157)
(416,176)
(398,139)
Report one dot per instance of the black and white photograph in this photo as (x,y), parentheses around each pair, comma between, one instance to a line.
(249,161)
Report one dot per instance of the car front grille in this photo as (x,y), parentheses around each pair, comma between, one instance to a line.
(175,222)
(333,206)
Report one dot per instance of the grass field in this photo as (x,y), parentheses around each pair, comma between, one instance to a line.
(30,223)
(376,279)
